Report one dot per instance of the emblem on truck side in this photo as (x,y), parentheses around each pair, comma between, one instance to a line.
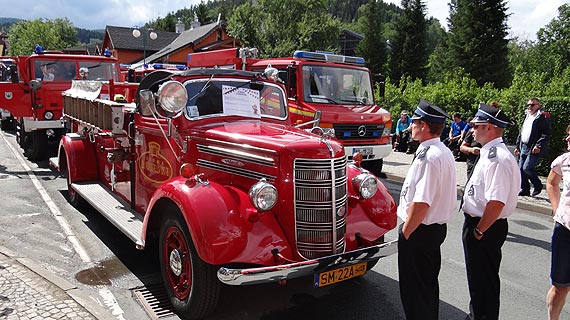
(154,166)
(8,95)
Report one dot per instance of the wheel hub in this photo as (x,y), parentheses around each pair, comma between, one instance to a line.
(175,262)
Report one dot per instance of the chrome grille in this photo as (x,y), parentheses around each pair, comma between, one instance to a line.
(358,131)
(320,192)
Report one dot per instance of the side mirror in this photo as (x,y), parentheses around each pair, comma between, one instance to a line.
(13,70)
(131,75)
(35,85)
(291,84)
(147,104)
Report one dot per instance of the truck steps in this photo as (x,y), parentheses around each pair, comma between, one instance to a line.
(115,209)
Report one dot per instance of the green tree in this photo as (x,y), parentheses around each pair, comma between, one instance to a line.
(478,43)
(373,47)
(55,34)
(409,48)
(244,24)
(554,40)
(285,26)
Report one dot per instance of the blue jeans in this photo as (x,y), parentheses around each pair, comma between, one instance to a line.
(527,162)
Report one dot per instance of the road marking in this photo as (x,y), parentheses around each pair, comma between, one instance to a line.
(106,294)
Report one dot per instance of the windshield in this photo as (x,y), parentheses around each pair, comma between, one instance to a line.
(336,85)
(208,97)
(100,70)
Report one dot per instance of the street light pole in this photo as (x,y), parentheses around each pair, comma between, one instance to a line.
(147,33)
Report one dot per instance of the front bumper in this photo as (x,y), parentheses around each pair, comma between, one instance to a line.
(374,152)
(295,270)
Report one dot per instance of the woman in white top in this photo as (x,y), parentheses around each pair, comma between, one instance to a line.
(560,261)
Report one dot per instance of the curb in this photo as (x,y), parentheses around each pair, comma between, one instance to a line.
(521,204)
(80,297)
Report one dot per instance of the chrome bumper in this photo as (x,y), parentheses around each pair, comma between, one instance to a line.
(259,275)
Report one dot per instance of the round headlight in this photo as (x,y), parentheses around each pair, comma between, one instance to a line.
(172,96)
(366,184)
(48,115)
(263,195)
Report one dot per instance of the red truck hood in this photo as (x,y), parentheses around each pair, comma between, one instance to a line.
(266,135)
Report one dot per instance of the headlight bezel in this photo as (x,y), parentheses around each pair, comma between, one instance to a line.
(366,184)
(260,193)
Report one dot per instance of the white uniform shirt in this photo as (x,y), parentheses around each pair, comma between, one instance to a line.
(561,165)
(495,177)
(431,179)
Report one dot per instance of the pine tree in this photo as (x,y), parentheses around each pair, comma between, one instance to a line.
(409,47)
(477,40)
(373,46)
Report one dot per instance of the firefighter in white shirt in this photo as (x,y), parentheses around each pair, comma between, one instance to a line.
(427,202)
(490,197)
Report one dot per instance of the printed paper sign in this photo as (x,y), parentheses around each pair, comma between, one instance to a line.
(241,101)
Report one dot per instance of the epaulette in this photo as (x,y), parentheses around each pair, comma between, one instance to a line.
(492,152)
(422,153)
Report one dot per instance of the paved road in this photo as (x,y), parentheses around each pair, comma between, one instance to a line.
(110,267)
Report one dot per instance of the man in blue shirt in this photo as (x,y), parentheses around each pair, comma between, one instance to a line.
(455,138)
(402,132)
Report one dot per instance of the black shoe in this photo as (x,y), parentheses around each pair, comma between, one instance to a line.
(524,193)
(536,191)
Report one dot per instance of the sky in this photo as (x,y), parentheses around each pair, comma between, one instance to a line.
(526,16)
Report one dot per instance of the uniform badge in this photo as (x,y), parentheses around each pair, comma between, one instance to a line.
(493,152)
(422,153)
(471,191)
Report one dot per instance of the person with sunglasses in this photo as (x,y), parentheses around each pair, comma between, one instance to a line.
(531,145)
(490,197)
(560,244)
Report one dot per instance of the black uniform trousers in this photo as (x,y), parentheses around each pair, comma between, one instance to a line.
(419,262)
(483,260)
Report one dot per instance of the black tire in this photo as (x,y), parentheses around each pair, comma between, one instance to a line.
(73,197)
(5,124)
(36,148)
(20,135)
(375,167)
(192,285)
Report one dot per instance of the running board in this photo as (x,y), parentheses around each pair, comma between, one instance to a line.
(115,209)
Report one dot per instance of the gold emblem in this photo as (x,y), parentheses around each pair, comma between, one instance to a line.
(154,166)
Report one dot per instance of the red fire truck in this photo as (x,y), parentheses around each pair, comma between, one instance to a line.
(32,94)
(338,86)
(203,168)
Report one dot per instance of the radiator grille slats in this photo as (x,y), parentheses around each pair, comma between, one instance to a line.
(320,193)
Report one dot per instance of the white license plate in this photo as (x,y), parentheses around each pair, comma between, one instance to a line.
(363,151)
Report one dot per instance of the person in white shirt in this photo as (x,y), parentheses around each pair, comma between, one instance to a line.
(531,144)
(490,197)
(560,260)
(427,202)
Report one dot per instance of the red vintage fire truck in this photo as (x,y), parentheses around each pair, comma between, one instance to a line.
(32,94)
(340,87)
(204,168)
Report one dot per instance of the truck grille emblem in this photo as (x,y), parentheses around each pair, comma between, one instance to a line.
(362,131)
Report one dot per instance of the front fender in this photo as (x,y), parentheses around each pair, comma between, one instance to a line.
(217,217)
(79,159)
(369,218)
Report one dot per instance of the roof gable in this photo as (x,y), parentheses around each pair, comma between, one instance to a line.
(122,38)
(186,38)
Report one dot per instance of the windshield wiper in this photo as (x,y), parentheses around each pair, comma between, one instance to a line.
(361,102)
